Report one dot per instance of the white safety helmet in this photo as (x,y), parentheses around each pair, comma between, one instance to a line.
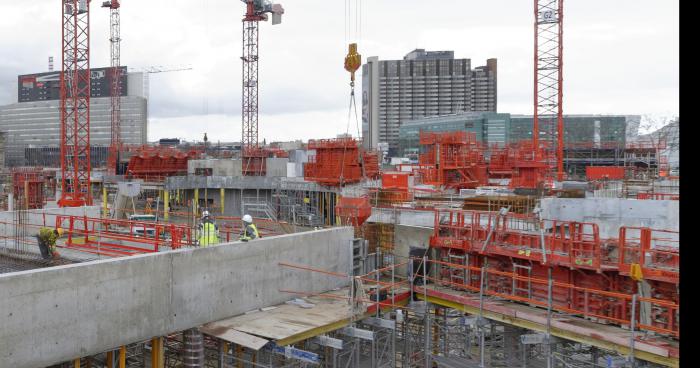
(205,214)
(247,219)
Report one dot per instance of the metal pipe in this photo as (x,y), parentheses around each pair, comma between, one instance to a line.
(549,317)
(633,326)
(166,205)
(222,197)
(109,359)
(122,356)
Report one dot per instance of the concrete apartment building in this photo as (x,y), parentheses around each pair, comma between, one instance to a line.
(424,83)
(32,125)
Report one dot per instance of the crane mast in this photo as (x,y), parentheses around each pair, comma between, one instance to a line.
(75,104)
(548,124)
(115,142)
(253,156)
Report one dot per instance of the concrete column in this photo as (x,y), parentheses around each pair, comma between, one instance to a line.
(166,205)
(10,202)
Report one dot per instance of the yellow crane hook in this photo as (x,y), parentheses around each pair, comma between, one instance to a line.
(353,61)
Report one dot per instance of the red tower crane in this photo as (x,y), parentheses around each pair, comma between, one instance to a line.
(75,104)
(115,142)
(548,124)
(256,11)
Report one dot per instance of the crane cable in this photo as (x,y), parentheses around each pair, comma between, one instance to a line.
(353,61)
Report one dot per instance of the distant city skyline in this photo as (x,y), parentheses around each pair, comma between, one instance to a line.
(623,60)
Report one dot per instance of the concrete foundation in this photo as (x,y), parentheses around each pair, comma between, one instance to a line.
(58,314)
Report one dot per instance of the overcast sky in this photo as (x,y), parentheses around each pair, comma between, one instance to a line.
(620,57)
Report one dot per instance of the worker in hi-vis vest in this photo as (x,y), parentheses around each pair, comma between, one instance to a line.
(249,232)
(47,241)
(208,231)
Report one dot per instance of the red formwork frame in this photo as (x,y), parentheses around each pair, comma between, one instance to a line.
(157,163)
(452,159)
(28,186)
(659,196)
(339,161)
(511,248)
(118,238)
(656,251)
(605,172)
(353,211)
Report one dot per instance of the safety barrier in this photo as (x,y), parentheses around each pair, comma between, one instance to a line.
(602,305)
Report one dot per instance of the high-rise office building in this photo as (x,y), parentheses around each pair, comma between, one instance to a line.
(32,125)
(424,83)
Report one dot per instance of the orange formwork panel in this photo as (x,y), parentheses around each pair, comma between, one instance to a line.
(156,163)
(353,211)
(605,172)
(339,161)
(395,180)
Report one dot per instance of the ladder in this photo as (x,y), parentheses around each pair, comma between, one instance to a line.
(458,275)
(522,270)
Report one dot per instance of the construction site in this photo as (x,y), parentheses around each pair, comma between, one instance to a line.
(533,252)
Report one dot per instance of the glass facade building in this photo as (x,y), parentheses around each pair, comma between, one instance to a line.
(594,131)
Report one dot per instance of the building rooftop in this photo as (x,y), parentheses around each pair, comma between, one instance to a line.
(421,54)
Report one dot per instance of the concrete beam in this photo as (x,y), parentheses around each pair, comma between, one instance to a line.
(56,314)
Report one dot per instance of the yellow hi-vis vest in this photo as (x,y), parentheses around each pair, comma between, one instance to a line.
(209,235)
(250,232)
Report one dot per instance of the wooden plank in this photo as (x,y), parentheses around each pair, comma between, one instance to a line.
(237,337)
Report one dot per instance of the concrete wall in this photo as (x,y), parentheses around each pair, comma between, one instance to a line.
(403,217)
(407,237)
(220,167)
(276,167)
(57,314)
(244,182)
(611,213)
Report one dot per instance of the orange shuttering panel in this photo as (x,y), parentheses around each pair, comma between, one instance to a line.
(605,172)
(395,180)
(340,161)
(353,211)
(156,163)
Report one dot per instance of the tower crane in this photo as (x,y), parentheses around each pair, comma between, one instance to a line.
(251,153)
(548,124)
(75,104)
(115,142)
(157,69)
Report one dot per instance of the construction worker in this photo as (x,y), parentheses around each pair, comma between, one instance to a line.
(249,232)
(208,231)
(47,241)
